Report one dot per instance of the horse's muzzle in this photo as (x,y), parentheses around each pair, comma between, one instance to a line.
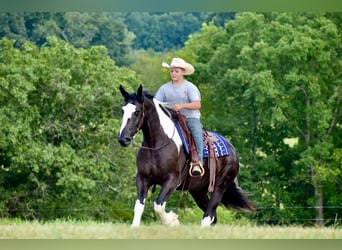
(124,141)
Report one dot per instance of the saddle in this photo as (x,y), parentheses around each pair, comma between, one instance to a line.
(190,145)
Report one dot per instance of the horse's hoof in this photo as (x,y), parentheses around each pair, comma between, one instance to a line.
(170,219)
(207,221)
(174,223)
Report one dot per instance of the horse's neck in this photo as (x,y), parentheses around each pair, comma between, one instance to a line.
(157,126)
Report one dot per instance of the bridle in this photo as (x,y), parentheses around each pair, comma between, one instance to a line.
(141,121)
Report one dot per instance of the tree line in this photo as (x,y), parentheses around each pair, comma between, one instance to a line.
(270,82)
(119,32)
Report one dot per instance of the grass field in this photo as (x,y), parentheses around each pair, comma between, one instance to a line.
(95,230)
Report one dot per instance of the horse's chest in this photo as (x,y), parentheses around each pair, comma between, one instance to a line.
(156,164)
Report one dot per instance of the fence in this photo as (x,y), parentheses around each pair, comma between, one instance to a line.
(264,215)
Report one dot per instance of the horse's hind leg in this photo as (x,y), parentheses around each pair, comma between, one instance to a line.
(209,217)
(202,200)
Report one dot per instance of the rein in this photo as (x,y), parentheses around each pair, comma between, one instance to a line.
(141,119)
(139,127)
(160,147)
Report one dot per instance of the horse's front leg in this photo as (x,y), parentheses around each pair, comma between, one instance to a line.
(142,189)
(167,218)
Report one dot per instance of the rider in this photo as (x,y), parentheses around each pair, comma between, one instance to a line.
(185,97)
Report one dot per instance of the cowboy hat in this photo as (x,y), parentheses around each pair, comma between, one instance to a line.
(180,63)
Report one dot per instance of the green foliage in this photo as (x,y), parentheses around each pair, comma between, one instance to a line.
(147,64)
(59,119)
(82,30)
(276,76)
(119,32)
(225,217)
(162,31)
(264,78)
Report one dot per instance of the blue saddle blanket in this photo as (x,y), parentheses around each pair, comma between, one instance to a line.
(220,144)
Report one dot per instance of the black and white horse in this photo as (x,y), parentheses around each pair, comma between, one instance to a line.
(161,160)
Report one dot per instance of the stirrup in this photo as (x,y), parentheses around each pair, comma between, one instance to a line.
(192,165)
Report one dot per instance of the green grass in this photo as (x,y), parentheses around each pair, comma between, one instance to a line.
(94,230)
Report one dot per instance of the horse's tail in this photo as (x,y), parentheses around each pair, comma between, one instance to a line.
(234,197)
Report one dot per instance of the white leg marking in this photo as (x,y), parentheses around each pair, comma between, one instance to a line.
(138,211)
(206,221)
(169,218)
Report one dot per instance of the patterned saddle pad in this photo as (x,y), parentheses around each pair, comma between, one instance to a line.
(220,146)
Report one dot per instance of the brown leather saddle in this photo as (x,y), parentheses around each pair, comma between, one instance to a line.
(208,140)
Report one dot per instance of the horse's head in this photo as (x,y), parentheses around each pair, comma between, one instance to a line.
(132,115)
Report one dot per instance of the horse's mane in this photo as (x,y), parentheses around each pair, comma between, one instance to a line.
(135,97)
(148,94)
(164,106)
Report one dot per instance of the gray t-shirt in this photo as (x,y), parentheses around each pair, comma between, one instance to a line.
(184,93)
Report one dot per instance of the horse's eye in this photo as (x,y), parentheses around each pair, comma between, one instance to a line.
(136,113)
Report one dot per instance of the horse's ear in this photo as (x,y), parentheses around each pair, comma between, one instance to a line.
(140,91)
(124,93)
(140,94)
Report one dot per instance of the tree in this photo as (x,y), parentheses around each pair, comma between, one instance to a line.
(147,65)
(279,74)
(82,30)
(12,26)
(59,118)
(161,31)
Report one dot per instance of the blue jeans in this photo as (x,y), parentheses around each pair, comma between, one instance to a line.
(195,127)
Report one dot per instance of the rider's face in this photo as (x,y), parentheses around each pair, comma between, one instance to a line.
(176,74)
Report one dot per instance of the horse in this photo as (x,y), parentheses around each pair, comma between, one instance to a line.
(162,160)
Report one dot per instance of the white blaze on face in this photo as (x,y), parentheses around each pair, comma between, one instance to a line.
(128,111)
(168,125)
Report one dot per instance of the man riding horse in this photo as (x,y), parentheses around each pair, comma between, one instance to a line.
(185,97)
